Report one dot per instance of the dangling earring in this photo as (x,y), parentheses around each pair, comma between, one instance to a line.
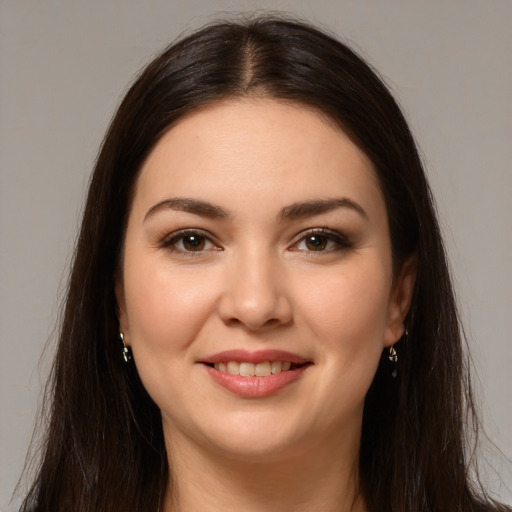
(127,353)
(393,357)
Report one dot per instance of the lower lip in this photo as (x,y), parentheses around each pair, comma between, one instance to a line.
(255,387)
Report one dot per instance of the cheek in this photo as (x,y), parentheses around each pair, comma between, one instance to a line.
(349,304)
(165,308)
(344,313)
(347,315)
(166,311)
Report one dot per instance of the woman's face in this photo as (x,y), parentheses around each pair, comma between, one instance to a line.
(257,290)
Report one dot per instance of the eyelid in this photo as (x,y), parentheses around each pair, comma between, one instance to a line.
(342,241)
(169,241)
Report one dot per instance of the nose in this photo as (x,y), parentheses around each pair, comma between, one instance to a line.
(255,294)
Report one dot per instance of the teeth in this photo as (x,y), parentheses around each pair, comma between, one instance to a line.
(277,366)
(262,369)
(233,368)
(247,369)
(253,370)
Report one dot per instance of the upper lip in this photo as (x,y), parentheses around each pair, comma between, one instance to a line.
(258,356)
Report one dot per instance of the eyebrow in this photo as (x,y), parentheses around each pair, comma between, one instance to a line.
(292,212)
(187,205)
(309,208)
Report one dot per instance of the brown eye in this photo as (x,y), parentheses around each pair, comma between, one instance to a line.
(316,242)
(193,242)
(189,241)
(322,240)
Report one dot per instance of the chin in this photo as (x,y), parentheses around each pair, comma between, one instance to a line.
(256,447)
(257,436)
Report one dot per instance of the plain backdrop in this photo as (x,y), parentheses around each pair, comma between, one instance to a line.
(64,65)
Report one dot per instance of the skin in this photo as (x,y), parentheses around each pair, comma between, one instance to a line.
(256,282)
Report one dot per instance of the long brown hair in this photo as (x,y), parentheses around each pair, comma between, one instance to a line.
(104,449)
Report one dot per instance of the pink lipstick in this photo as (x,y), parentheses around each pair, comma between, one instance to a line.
(255,374)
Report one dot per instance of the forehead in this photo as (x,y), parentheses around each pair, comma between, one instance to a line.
(264,150)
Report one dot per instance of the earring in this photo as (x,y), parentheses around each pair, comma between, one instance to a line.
(393,357)
(393,354)
(127,352)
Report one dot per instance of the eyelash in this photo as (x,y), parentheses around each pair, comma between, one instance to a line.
(171,241)
(323,234)
(340,240)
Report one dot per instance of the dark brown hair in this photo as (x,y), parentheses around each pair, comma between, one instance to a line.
(104,449)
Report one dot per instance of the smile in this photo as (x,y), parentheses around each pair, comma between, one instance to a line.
(257,374)
(264,369)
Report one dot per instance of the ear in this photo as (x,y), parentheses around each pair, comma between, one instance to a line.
(121,306)
(400,300)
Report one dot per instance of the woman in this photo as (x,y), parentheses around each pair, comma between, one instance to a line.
(260,314)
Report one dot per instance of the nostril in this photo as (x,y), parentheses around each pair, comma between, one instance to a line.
(252,325)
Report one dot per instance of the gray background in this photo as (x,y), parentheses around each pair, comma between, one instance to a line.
(63,68)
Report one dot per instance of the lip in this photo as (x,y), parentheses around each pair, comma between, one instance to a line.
(255,387)
(259,356)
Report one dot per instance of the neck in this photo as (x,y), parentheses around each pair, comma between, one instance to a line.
(316,479)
